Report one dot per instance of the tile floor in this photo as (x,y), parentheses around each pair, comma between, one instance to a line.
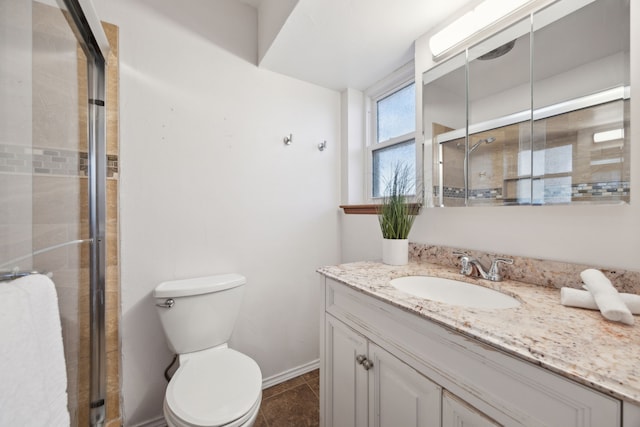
(293,403)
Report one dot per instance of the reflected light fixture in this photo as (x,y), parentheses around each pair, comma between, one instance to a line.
(602,162)
(486,13)
(609,135)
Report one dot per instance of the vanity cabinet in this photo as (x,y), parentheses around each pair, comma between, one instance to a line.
(371,387)
(424,374)
(456,413)
(346,384)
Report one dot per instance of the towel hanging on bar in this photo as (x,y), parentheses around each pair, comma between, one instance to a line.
(12,275)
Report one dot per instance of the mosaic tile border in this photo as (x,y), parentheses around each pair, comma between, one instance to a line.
(593,190)
(601,189)
(486,193)
(50,161)
(552,274)
(481,193)
(455,192)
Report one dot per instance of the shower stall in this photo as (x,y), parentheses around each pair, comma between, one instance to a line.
(53,179)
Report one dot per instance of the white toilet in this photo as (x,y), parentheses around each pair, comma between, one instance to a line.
(214,385)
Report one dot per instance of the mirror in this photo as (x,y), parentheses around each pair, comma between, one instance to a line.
(499,71)
(445,105)
(545,119)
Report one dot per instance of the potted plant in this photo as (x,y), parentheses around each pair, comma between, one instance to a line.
(396,215)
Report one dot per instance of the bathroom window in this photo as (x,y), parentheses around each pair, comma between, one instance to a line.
(392,141)
(551,179)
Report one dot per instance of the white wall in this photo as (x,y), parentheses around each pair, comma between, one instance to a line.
(352,153)
(607,235)
(207,185)
(272,15)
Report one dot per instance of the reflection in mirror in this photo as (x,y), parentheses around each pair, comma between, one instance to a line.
(559,78)
(581,60)
(444,113)
(499,85)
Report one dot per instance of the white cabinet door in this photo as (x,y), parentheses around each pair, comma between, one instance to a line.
(400,396)
(346,380)
(457,413)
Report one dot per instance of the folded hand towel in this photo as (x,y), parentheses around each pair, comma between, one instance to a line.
(606,296)
(583,299)
(33,389)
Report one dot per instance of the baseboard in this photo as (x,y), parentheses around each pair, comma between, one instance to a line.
(290,373)
(156,422)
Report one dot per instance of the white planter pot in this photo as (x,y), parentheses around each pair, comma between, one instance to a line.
(395,251)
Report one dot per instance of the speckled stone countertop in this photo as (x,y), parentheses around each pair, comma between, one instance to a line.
(575,343)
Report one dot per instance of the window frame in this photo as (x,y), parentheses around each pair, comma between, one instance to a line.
(403,77)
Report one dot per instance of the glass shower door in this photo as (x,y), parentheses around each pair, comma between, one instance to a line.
(44,202)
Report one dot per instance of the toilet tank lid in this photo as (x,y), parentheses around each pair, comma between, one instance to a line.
(198,285)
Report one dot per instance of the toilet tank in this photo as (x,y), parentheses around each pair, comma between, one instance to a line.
(203,310)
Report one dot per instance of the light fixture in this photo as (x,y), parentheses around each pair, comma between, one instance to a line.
(609,135)
(483,15)
(611,161)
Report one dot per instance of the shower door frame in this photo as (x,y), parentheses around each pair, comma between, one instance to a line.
(93,42)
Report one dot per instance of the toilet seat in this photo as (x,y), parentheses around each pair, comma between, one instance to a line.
(215,387)
(247,420)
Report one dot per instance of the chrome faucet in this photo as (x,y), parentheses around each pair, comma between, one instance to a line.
(470,264)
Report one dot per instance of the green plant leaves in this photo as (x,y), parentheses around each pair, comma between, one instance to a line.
(396,215)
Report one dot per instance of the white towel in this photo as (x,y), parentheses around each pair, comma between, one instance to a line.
(33,377)
(606,296)
(572,297)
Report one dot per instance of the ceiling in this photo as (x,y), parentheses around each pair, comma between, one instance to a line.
(342,44)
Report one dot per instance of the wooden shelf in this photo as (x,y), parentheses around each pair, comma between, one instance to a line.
(360,209)
(372,209)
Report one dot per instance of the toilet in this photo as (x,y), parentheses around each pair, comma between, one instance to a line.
(214,386)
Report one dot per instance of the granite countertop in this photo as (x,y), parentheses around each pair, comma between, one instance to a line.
(575,343)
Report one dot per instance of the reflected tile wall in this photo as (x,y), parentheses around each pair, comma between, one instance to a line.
(568,166)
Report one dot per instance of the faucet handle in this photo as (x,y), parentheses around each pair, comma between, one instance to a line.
(494,271)
(466,267)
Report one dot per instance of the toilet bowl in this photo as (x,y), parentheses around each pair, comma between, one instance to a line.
(214,386)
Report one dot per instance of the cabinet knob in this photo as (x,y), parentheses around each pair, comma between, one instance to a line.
(367,364)
(360,359)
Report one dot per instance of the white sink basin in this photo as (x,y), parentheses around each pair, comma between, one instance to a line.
(453,292)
